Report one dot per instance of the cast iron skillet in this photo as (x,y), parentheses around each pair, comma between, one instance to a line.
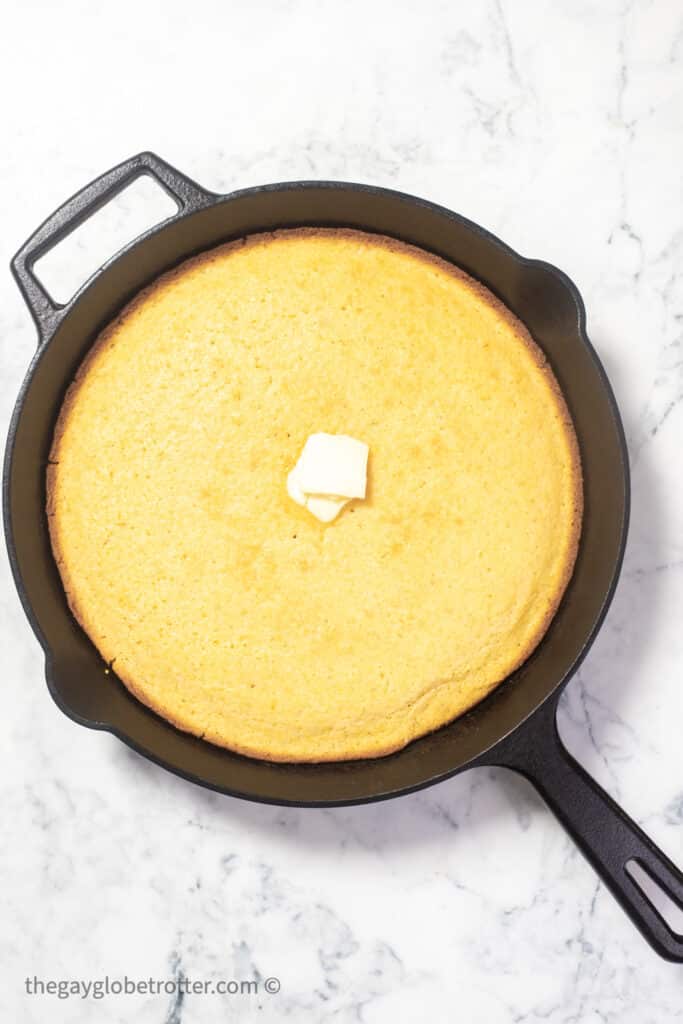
(515,726)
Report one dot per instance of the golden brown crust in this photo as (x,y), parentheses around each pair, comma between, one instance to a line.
(76,604)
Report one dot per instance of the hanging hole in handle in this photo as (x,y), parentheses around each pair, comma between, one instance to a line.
(668,909)
(138,207)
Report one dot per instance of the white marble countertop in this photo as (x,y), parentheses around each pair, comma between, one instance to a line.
(559,126)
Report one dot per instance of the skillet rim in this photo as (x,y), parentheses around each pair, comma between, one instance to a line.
(211,200)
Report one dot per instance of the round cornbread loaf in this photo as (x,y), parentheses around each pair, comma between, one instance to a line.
(228,608)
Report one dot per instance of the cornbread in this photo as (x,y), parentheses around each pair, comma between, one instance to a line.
(228,608)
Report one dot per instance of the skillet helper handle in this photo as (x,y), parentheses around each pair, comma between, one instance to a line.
(45,311)
(606,836)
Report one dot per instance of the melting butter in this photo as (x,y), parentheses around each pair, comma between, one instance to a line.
(330,472)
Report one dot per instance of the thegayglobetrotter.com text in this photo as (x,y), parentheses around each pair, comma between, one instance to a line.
(101,988)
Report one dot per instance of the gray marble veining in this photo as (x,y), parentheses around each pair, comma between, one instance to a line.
(559,126)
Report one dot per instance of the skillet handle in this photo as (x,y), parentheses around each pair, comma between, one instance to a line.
(606,836)
(45,311)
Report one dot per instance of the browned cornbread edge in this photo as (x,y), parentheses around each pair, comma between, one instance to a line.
(521,332)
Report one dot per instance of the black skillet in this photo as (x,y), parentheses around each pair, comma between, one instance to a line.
(515,726)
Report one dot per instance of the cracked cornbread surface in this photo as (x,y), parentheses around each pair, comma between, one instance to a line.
(229,609)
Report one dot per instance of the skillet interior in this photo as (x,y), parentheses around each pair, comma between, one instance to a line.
(538,294)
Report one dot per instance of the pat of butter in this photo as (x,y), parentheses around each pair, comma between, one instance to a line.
(332,469)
